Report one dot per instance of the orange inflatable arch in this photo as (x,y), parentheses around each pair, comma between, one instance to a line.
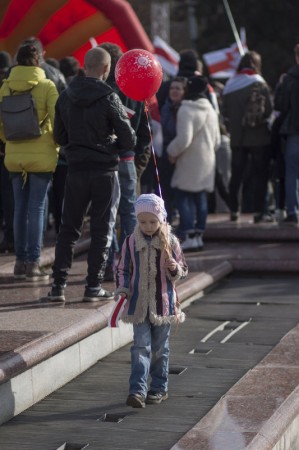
(66,27)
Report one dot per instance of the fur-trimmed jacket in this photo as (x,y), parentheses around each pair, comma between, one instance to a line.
(147,283)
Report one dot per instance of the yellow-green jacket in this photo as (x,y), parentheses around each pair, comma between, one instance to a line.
(39,154)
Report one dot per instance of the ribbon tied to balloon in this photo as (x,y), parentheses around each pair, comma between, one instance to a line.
(139,74)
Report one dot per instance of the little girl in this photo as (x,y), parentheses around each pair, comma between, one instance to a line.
(150,263)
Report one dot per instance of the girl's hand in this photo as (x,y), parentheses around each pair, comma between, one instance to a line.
(171,264)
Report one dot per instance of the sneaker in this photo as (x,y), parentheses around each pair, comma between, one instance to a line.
(136,401)
(109,274)
(154,398)
(95,294)
(290,221)
(19,271)
(190,244)
(199,241)
(35,273)
(263,218)
(56,294)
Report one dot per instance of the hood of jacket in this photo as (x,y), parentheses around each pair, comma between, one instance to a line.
(84,91)
(199,105)
(294,71)
(24,78)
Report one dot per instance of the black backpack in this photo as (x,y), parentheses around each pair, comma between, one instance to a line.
(19,117)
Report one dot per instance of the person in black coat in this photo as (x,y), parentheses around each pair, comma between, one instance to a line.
(93,127)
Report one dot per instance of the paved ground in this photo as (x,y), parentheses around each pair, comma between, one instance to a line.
(256,312)
(26,317)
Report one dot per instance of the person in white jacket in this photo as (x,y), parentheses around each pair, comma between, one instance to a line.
(193,153)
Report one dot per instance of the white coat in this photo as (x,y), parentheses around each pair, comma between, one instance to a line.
(194,146)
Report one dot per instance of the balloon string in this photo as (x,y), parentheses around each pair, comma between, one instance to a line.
(153,151)
(168,250)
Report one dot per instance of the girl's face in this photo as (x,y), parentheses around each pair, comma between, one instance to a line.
(148,223)
(176,91)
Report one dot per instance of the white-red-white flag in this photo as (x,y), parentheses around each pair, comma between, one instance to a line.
(168,57)
(223,63)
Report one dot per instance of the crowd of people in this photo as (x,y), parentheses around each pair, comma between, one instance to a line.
(235,141)
(228,147)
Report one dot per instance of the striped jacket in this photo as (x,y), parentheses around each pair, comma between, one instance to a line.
(148,284)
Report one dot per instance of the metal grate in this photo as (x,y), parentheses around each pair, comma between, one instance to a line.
(69,446)
(116,418)
(177,370)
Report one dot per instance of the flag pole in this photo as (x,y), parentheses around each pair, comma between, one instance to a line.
(232,24)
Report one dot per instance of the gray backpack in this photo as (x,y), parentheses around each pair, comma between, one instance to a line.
(19,117)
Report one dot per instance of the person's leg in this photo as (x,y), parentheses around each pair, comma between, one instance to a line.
(127,180)
(238,164)
(102,187)
(20,222)
(140,358)
(260,165)
(8,211)
(201,202)
(38,188)
(76,199)
(59,178)
(292,173)
(186,212)
(109,270)
(160,358)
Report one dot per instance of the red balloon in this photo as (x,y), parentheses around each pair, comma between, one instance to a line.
(138,74)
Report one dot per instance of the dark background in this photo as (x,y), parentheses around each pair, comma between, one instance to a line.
(272,28)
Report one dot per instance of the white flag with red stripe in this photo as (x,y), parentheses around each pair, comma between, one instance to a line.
(168,57)
(116,313)
(223,63)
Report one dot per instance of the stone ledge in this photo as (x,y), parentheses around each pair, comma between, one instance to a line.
(260,412)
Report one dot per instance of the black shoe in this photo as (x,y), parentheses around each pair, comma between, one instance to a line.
(109,274)
(136,401)
(154,398)
(56,294)
(291,220)
(6,246)
(95,294)
(234,216)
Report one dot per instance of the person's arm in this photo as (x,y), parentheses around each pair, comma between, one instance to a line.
(52,97)
(177,255)
(60,132)
(126,137)
(185,133)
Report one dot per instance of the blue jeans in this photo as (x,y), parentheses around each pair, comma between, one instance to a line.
(193,211)
(292,173)
(128,180)
(113,213)
(29,210)
(149,355)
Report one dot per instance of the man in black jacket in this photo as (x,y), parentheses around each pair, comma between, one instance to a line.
(93,127)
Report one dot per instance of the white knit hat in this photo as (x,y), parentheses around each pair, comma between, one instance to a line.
(153,204)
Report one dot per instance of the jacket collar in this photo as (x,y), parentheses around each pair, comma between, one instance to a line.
(141,242)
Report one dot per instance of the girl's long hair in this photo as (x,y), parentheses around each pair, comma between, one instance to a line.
(164,233)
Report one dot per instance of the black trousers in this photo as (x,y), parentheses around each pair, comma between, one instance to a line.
(81,189)
(260,160)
